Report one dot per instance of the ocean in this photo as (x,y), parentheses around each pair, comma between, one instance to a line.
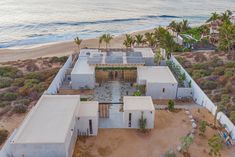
(26,23)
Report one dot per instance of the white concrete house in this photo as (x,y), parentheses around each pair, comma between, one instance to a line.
(83,75)
(87,118)
(51,127)
(136,106)
(159,80)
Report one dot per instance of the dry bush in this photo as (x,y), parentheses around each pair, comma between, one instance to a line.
(200,57)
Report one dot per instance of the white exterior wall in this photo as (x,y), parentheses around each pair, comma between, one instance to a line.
(184,92)
(155,90)
(82,81)
(57,81)
(82,125)
(39,150)
(6,149)
(71,137)
(135,117)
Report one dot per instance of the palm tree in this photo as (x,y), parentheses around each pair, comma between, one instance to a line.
(184,25)
(78,41)
(173,25)
(139,39)
(150,39)
(214,16)
(157,57)
(107,38)
(225,17)
(101,40)
(129,41)
(169,44)
(227,38)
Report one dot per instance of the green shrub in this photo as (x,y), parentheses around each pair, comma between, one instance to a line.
(230,64)
(5,82)
(232,116)
(137,93)
(84,99)
(209,85)
(199,66)
(3,135)
(58,59)
(8,71)
(229,73)
(36,75)
(219,71)
(20,108)
(202,127)
(31,82)
(142,123)
(19,82)
(200,73)
(170,153)
(4,103)
(171,105)
(8,96)
(23,102)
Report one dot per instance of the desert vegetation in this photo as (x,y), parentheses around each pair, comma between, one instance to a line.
(215,73)
(21,85)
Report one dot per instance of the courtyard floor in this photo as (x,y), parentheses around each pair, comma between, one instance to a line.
(132,143)
(113,91)
(169,128)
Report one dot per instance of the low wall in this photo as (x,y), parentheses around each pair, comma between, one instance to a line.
(6,149)
(184,92)
(57,81)
(202,99)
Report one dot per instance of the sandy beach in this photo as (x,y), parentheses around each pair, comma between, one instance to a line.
(59,49)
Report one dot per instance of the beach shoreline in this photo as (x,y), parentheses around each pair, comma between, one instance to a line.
(59,48)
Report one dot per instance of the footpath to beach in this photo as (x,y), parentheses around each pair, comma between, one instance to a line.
(57,49)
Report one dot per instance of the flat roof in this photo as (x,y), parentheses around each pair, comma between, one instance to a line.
(146,52)
(88,109)
(158,74)
(82,67)
(49,121)
(138,103)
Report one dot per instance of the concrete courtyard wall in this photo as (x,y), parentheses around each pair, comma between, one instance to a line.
(83,81)
(202,99)
(155,90)
(82,125)
(57,81)
(184,92)
(135,117)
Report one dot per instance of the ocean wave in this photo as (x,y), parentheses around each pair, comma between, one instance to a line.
(79,23)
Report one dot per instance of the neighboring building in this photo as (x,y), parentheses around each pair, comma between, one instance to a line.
(135,107)
(50,129)
(159,80)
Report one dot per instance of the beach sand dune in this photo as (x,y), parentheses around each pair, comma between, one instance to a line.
(58,49)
